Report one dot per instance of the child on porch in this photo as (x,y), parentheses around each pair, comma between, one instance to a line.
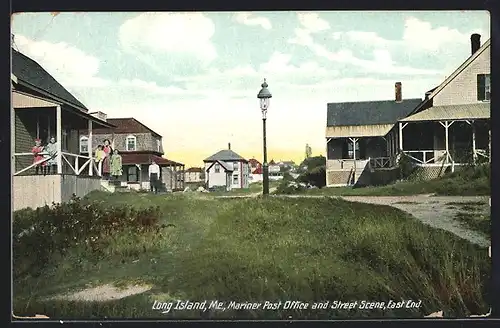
(37,156)
(51,150)
(99,156)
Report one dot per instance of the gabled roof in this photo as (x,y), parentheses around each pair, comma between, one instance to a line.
(225,155)
(29,73)
(253,161)
(369,112)
(453,75)
(126,125)
(258,170)
(221,163)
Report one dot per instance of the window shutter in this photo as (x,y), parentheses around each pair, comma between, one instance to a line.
(480,87)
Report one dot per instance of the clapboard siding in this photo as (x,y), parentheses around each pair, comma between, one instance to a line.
(78,185)
(35,191)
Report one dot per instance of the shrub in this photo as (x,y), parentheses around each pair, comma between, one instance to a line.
(288,188)
(287,177)
(41,233)
(315,177)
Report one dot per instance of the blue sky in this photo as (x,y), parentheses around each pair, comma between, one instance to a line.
(194,77)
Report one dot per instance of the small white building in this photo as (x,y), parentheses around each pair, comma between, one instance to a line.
(226,168)
(194,174)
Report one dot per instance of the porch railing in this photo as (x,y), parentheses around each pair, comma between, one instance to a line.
(77,163)
(381,162)
(345,164)
(421,156)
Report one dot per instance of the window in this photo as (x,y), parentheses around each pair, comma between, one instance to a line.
(236,166)
(235,179)
(132,174)
(217,168)
(158,145)
(131,143)
(84,144)
(483,87)
(350,151)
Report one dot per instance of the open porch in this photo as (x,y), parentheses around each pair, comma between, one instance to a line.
(135,172)
(352,150)
(41,118)
(447,136)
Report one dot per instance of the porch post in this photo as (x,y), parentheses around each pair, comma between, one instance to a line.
(401,136)
(171,177)
(474,154)
(59,138)
(12,143)
(175,176)
(446,140)
(91,150)
(489,144)
(183,177)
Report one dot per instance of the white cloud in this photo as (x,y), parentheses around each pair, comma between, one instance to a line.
(178,33)
(312,22)
(252,20)
(67,64)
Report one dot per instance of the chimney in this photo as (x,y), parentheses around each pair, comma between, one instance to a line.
(229,145)
(475,43)
(399,96)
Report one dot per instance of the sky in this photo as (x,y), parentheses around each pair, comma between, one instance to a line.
(194,77)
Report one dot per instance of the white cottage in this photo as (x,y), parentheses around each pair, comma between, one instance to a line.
(226,168)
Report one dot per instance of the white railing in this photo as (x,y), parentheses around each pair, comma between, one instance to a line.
(381,162)
(77,164)
(421,156)
(345,164)
(482,153)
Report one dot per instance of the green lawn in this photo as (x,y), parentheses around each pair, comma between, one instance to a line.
(266,249)
(473,216)
(253,188)
(469,182)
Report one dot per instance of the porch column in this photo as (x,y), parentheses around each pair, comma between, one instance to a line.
(175,176)
(489,144)
(327,141)
(446,126)
(91,150)
(354,141)
(59,138)
(171,177)
(401,127)
(138,168)
(474,153)
(183,177)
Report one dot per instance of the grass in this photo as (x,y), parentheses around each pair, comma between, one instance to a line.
(268,249)
(253,188)
(472,216)
(467,182)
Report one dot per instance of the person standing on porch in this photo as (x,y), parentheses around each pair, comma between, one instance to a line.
(106,163)
(154,175)
(37,156)
(51,151)
(116,165)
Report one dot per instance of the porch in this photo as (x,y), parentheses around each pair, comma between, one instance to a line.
(135,172)
(36,117)
(447,136)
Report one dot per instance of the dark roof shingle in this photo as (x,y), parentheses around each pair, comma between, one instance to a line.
(369,112)
(126,125)
(225,155)
(29,71)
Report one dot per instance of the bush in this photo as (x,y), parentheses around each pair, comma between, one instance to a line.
(287,177)
(316,177)
(40,234)
(288,188)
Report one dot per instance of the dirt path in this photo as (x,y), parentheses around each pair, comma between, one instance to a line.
(436,211)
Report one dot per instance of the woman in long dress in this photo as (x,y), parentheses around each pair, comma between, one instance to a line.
(106,163)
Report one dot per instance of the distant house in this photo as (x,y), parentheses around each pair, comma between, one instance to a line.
(275,171)
(255,170)
(227,169)
(449,127)
(138,146)
(43,108)
(194,174)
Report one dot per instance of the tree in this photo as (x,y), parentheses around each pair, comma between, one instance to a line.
(308,151)
(313,162)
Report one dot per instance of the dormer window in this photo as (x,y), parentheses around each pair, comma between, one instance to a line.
(84,145)
(483,87)
(131,143)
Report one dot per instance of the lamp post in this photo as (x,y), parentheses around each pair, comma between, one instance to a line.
(264,97)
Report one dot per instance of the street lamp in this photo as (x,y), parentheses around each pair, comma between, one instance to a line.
(264,97)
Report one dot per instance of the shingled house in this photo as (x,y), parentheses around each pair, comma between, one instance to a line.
(450,127)
(42,108)
(453,122)
(357,133)
(226,169)
(138,146)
